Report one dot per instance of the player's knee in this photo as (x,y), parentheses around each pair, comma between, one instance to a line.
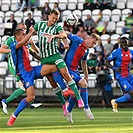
(83,83)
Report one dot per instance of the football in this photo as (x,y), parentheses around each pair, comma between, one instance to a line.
(72,19)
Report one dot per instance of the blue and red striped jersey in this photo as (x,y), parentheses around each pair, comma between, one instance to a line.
(76,52)
(20,58)
(122,59)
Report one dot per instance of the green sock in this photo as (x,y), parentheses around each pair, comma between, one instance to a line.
(58,93)
(15,95)
(73,86)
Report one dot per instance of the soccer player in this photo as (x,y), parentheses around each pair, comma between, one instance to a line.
(20,91)
(26,73)
(122,57)
(48,33)
(77,52)
(5,48)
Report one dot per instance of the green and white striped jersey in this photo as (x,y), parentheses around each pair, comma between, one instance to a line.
(10,60)
(47,49)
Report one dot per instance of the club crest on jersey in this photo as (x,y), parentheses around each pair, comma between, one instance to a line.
(125,86)
(27,83)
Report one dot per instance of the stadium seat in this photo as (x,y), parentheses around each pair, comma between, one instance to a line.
(65,13)
(5,7)
(116,15)
(124,13)
(77,12)
(39,84)
(3,71)
(119,26)
(18,16)
(107,12)
(111,26)
(95,12)
(63,4)
(85,13)
(9,82)
(95,17)
(2,27)
(13,5)
(8,13)
(92,80)
(104,38)
(42,2)
(4,38)
(125,35)
(2,15)
(37,16)
(26,13)
(130,4)
(4,64)
(80,5)
(120,5)
(1,19)
(72,4)
(114,38)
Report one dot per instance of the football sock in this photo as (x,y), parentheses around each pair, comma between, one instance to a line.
(73,86)
(124,98)
(58,93)
(59,79)
(72,101)
(20,91)
(20,107)
(84,95)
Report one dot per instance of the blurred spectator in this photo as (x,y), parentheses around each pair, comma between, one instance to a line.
(24,5)
(45,11)
(56,6)
(131,36)
(100,62)
(103,4)
(128,22)
(29,22)
(10,26)
(91,63)
(117,45)
(82,33)
(89,24)
(99,49)
(78,25)
(18,4)
(108,47)
(89,4)
(33,4)
(107,91)
(101,24)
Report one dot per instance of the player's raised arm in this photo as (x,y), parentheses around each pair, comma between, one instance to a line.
(21,37)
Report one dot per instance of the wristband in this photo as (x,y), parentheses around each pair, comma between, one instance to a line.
(114,68)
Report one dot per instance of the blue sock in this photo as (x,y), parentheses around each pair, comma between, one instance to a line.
(84,95)
(21,106)
(72,101)
(59,79)
(124,98)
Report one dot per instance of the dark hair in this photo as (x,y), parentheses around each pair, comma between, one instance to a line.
(17,32)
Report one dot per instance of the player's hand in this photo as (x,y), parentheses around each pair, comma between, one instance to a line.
(32,30)
(66,46)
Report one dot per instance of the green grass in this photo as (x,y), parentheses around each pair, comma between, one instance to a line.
(51,120)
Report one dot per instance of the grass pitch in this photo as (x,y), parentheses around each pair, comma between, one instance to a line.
(51,120)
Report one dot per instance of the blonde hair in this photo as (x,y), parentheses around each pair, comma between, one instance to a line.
(95,36)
